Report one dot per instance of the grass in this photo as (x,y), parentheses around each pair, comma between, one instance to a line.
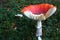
(25,26)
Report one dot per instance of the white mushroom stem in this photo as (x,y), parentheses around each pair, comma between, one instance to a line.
(39,30)
(39,38)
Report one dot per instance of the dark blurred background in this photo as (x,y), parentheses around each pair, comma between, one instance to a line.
(25,27)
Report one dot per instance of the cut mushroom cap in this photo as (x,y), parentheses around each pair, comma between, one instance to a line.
(39,11)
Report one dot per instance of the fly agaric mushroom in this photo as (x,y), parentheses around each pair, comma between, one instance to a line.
(39,12)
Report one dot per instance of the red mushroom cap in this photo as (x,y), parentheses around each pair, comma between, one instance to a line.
(38,8)
(39,11)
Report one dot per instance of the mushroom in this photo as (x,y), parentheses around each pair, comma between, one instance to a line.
(39,12)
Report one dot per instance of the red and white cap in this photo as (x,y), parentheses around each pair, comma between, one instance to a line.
(39,11)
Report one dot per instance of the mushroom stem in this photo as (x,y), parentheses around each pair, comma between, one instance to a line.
(39,38)
(39,30)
